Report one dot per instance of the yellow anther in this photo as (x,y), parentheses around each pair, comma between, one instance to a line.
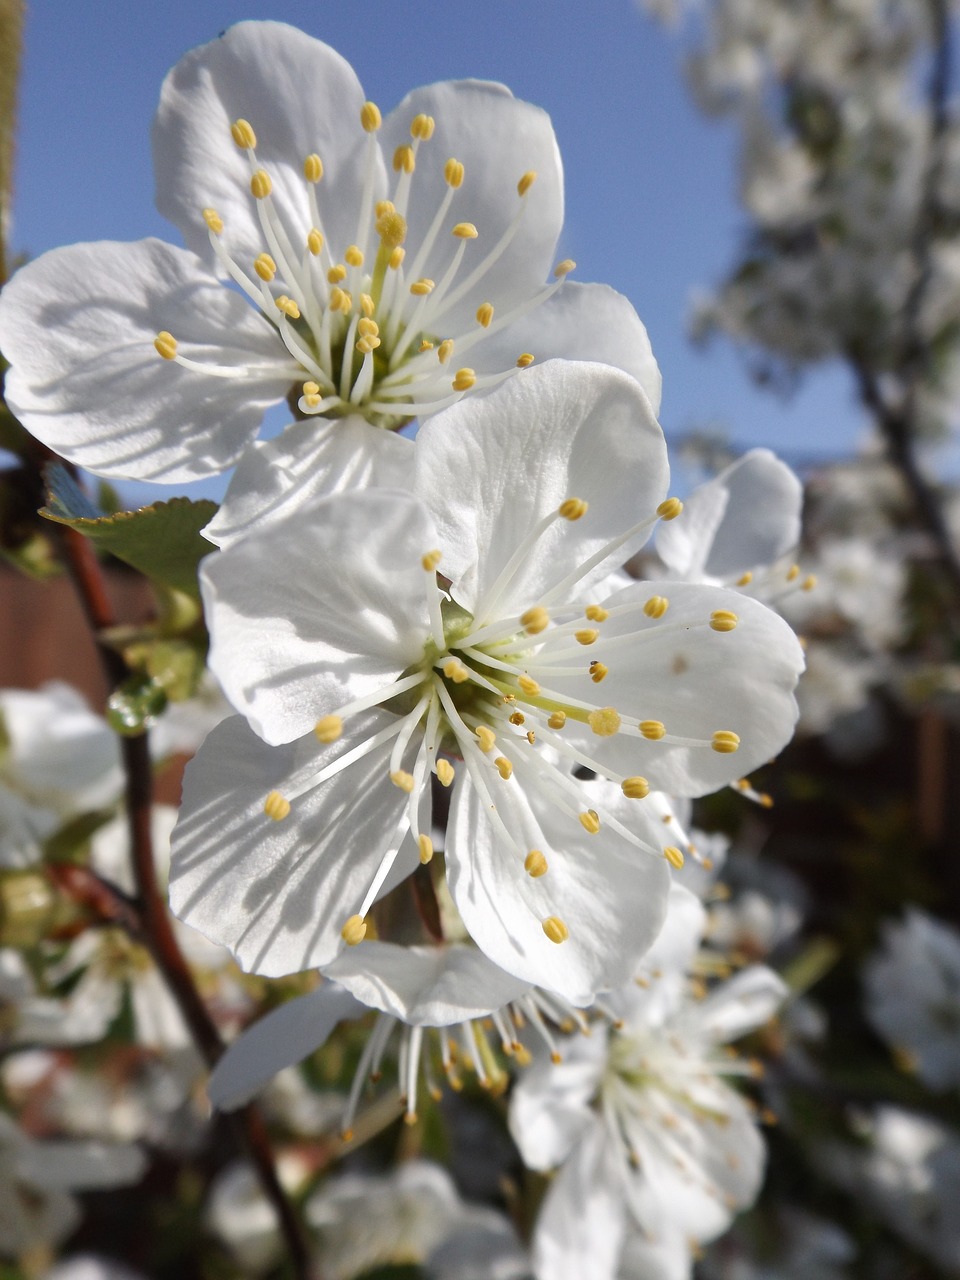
(525,360)
(328,728)
(485,315)
(485,737)
(367,306)
(243,135)
(213,221)
(598,672)
(764,800)
(535,620)
(809,582)
(465,231)
(793,573)
(445,350)
(313,168)
(555,929)
(453,173)
(422,127)
(526,182)
(311,389)
(288,307)
(420,288)
(166,345)
(261,185)
(673,856)
(425,345)
(564,268)
(265,267)
(635,788)
(725,741)
(383,207)
(745,579)
(518,718)
(596,613)
(504,767)
(723,620)
(445,772)
(589,635)
(276,807)
(656,606)
(557,720)
(391,227)
(396,258)
(464,380)
(370,117)
(531,737)
(454,670)
(426,848)
(652,730)
(522,1055)
(366,327)
(315,242)
(590,821)
(366,345)
(431,560)
(400,778)
(311,398)
(341,300)
(354,931)
(353,256)
(528,685)
(403,158)
(535,864)
(604,722)
(337,273)
(410,1118)
(669,509)
(573,508)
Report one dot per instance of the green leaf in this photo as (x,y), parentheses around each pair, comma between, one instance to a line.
(134,705)
(163,540)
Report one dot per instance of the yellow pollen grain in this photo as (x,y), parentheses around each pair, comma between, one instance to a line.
(596,613)
(573,508)
(745,579)
(370,117)
(242,133)
(535,864)
(426,849)
(673,856)
(504,767)
(276,807)
(328,729)
(337,273)
(404,158)
(605,722)
(445,772)
(213,221)
(589,635)
(793,573)
(315,242)
(313,168)
(535,620)
(425,345)
(485,737)
(590,821)
(555,929)
(518,718)
(598,672)
(453,173)
(723,620)
(400,778)
(526,182)
(396,258)
(422,127)
(564,268)
(454,670)
(525,360)
(367,306)
(391,227)
(669,509)
(354,931)
(635,788)
(265,267)
(725,742)
(656,606)
(431,560)
(445,350)
(166,345)
(465,231)
(464,380)
(557,720)
(485,315)
(652,730)
(261,184)
(420,288)
(528,685)
(288,307)
(353,256)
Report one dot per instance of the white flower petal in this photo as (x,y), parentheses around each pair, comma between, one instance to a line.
(748,1000)
(320,609)
(79,1165)
(78,326)
(278,893)
(550,1106)
(309,460)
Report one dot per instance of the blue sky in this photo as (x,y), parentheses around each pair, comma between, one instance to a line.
(650,185)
